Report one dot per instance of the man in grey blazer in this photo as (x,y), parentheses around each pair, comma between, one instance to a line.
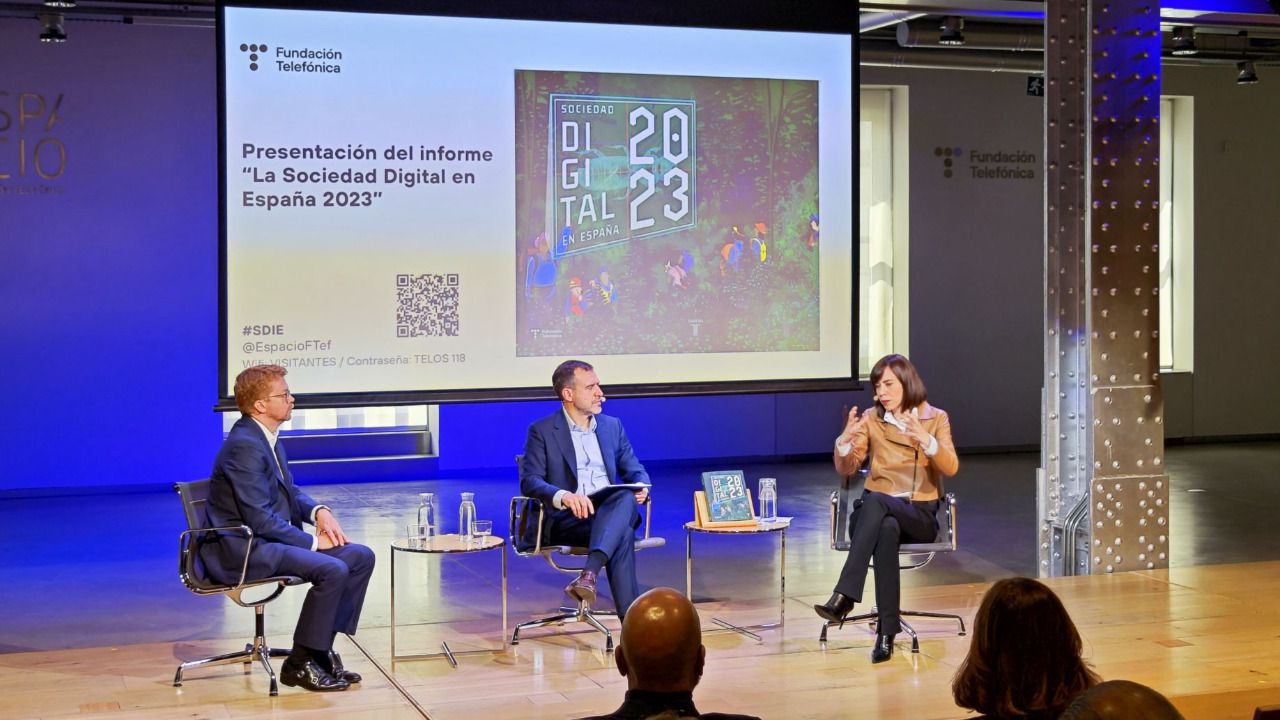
(251,485)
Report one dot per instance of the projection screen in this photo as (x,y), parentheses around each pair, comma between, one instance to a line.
(436,208)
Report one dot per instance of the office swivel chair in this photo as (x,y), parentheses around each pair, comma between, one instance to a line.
(911,555)
(192,572)
(526,522)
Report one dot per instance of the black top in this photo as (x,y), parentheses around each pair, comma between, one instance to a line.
(641,704)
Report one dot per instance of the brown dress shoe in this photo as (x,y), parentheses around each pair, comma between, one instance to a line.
(310,676)
(583,587)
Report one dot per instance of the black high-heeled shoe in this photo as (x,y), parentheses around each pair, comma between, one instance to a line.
(883,649)
(835,609)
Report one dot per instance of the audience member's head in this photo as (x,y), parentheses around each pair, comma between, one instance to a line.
(1120,700)
(1025,656)
(661,648)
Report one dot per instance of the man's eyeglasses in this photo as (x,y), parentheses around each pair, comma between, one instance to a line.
(285,394)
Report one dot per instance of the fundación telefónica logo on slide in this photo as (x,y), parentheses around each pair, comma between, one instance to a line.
(293,60)
(253,51)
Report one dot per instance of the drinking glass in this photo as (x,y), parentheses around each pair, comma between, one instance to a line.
(768,496)
(417,534)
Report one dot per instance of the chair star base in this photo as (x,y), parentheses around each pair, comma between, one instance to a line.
(872,616)
(581,613)
(257,650)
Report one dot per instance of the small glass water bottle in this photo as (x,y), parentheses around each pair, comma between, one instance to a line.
(428,517)
(466,514)
(768,495)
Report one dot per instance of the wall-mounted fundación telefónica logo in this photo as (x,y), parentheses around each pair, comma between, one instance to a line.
(947,154)
(989,164)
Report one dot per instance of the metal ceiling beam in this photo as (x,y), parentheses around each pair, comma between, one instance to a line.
(1223,13)
(100,10)
(967,8)
(876,20)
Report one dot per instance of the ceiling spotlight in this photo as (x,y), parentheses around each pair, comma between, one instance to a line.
(952,31)
(1247,75)
(60,3)
(53,31)
(1184,41)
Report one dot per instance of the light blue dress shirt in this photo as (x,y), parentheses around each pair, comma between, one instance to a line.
(589,460)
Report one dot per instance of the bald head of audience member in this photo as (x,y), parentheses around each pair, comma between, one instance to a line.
(661,648)
(1120,700)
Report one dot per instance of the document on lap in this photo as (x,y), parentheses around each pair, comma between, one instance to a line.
(608,490)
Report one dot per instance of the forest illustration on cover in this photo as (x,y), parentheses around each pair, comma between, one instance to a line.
(665,214)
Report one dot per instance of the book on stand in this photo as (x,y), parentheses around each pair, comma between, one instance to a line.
(724,500)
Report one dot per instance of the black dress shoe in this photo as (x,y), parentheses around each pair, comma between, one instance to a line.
(883,649)
(308,675)
(583,587)
(835,609)
(339,672)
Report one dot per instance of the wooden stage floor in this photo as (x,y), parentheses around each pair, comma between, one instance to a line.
(1206,636)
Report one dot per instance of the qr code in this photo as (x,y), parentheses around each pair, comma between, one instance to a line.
(427,305)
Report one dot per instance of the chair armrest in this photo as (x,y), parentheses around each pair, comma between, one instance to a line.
(950,500)
(840,502)
(513,523)
(835,520)
(648,514)
(185,546)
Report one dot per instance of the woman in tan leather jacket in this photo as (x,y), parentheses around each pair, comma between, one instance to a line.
(909,445)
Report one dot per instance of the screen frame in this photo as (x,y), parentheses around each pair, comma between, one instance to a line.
(824,16)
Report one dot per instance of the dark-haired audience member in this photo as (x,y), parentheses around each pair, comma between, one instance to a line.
(1024,661)
(1120,700)
(909,445)
(661,655)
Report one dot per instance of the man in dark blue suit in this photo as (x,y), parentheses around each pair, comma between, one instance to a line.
(251,485)
(571,457)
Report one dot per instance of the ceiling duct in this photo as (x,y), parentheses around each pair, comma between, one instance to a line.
(885,54)
(977,36)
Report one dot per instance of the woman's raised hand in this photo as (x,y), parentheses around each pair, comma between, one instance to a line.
(915,430)
(851,425)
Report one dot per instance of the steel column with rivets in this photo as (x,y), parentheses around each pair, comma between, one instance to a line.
(1102,497)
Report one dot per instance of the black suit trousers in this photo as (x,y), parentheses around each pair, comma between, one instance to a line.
(611,530)
(339,578)
(879,524)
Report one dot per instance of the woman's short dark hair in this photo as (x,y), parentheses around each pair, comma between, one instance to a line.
(913,392)
(1024,660)
(563,375)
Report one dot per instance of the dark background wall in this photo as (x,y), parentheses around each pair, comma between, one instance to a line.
(108,289)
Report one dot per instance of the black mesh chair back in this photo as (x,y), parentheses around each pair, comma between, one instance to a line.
(194,575)
(191,568)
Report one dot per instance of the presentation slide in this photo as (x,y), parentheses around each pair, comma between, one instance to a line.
(419,204)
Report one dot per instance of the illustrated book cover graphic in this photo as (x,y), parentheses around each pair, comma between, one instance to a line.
(727,499)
